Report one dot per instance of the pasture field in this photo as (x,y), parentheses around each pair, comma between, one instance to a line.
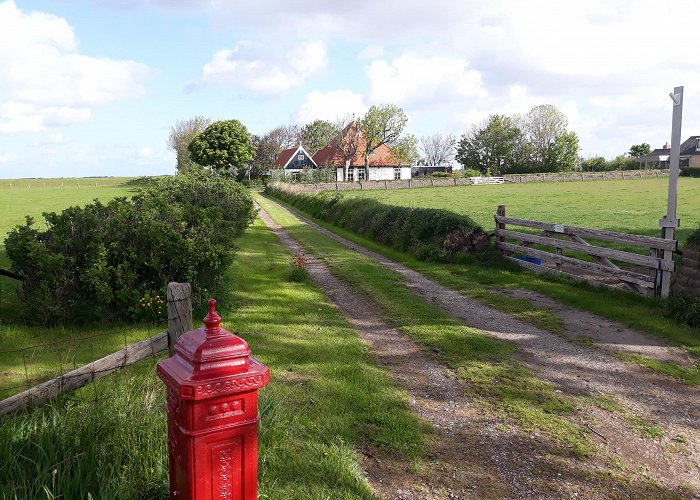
(35,196)
(632,206)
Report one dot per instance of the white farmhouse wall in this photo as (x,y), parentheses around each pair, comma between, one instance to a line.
(375,174)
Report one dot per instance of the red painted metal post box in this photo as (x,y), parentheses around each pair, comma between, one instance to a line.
(212,382)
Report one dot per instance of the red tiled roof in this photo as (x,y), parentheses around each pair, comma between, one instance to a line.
(383,156)
(284,157)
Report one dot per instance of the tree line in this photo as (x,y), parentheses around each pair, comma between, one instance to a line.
(538,141)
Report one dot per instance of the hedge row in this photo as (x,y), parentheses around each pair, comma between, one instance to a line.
(108,261)
(428,234)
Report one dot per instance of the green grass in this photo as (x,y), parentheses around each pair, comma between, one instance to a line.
(326,399)
(485,363)
(690,375)
(633,206)
(482,274)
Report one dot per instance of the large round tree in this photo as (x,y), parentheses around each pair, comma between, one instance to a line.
(224,146)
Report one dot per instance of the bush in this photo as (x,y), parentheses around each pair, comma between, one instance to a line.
(110,261)
(683,309)
(429,234)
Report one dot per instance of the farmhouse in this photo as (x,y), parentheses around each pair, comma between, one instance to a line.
(293,160)
(383,165)
(659,158)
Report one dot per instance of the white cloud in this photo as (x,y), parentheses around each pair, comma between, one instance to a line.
(45,82)
(251,67)
(330,105)
(147,155)
(9,157)
(412,80)
(372,51)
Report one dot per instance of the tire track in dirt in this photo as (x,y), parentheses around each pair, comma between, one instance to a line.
(672,460)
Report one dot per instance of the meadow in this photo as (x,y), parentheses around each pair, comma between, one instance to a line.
(633,206)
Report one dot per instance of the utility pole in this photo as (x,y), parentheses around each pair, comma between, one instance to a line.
(669,223)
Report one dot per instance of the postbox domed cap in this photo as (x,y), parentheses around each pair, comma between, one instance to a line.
(213,351)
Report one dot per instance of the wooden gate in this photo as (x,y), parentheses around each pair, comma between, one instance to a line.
(642,273)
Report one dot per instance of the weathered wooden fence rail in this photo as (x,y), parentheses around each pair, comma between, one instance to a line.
(562,237)
(179,322)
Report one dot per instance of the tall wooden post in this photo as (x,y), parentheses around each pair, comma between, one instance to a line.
(669,223)
(179,297)
(501,212)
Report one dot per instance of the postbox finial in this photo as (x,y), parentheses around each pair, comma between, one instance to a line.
(212,320)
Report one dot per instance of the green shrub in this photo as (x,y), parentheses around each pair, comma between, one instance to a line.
(683,309)
(109,261)
(694,238)
(429,234)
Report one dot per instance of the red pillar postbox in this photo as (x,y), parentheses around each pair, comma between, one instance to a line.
(212,382)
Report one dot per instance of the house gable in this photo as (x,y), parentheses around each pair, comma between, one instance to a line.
(294,159)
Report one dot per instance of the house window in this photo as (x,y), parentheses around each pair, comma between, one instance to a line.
(300,157)
(397,173)
(296,176)
(697,145)
(351,174)
(361,174)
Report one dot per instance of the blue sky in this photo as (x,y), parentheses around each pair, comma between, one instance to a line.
(92,88)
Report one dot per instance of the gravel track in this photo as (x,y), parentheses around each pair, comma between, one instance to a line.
(573,368)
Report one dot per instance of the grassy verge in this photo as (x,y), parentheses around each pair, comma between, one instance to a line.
(690,376)
(493,377)
(480,275)
(325,400)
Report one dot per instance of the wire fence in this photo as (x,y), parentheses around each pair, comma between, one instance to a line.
(51,368)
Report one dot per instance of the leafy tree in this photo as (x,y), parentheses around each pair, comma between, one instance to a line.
(562,155)
(266,152)
(224,146)
(181,134)
(640,150)
(347,142)
(552,147)
(495,146)
(382,125)
(437,149)
(594,164)
(621,162)
(318,134)
(406,150)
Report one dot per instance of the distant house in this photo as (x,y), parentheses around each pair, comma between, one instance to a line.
(659,158)
(384,165)
(293,160)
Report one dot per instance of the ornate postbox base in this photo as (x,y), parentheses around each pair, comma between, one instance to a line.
(213,417)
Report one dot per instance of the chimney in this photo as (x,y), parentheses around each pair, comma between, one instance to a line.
(667,145)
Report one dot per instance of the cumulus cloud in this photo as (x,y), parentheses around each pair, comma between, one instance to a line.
(412,80)
(252,67)
(330,105)
(45,82)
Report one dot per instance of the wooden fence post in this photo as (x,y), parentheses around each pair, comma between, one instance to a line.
(179,298)
(499,227)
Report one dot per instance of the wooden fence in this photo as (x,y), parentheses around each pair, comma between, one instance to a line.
(642,273)
(179,322)
(479,181)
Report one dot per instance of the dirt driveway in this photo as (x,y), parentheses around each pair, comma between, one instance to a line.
(477,455)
